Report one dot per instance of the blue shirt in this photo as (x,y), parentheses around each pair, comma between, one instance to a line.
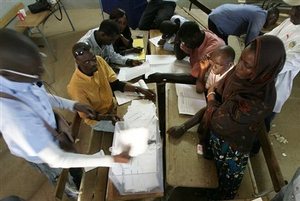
(25,134)
(239,19)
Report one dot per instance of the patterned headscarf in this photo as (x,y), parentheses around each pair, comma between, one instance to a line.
(245,103)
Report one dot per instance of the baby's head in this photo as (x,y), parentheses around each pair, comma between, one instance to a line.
(221,59)
(168,28)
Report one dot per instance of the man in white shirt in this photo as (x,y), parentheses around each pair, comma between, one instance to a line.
(156,12)
(23,125)
(101,40)
(289,32)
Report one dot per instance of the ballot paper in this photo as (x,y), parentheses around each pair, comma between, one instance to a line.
(125,97)
(167,64)
(128,73)
(138,42)
(155,40)
(144,172)
(189,101)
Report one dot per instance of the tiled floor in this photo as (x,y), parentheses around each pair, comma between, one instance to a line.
(17,177)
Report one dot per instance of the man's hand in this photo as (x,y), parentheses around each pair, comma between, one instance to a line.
(161,42)
(137,50)
(122,157)
(149,94)
(131,62)
(86,109)
(176,131)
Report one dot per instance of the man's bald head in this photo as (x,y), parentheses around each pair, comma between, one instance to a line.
(19,53)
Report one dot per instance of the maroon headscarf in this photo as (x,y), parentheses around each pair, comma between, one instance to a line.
(244,103)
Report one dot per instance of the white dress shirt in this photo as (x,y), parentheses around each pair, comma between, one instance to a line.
(290,36)
(107,52)
(25,134)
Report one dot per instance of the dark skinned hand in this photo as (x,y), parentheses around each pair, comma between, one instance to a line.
(176,131)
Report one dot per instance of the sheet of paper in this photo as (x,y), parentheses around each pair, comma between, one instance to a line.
(125,97)
(189,106)
(127,74)
(139,42)
(155,40)
(257,199)
(160,59)
(188,90)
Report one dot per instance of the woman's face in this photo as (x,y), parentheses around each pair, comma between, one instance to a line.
(122,23)
(245,69)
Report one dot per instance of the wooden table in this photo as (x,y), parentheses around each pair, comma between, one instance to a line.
(184,167)
(161,97)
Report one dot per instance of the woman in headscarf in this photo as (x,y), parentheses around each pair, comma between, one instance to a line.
(237,108)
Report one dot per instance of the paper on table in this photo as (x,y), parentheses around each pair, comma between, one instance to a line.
(167,65)
(160,59)
(125,97)
(127,74)
(189,101)
(155,40)
(258,199)
(189,106)
(188,90)
(139,42)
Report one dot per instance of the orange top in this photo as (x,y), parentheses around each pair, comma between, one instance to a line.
(94,90)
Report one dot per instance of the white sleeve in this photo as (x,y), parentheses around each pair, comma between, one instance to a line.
(56,157)
(61,103)
(277,29)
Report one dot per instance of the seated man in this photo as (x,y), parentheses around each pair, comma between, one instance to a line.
(219,62)
(193,42)
(239,19)
(92,83)
(169,29)
(101,41)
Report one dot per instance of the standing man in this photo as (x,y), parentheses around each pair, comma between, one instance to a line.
(289,33)
(101,41)
(27,118)
(239,19)
(156,12)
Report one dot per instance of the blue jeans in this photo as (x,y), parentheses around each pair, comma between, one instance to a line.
(53,174)
(156,12)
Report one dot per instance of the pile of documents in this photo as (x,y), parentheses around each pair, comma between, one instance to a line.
(139,131)
(189,101)
(125,97)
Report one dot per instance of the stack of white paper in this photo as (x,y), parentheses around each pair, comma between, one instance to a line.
(127,73)
(125,97)
(143,173)
(166,64)
(189,101)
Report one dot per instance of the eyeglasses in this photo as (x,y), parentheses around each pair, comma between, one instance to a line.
(80,51)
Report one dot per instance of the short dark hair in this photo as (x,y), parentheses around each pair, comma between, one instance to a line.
(109,27)
(80,47)
(117,13)
(188,30)
(227,51)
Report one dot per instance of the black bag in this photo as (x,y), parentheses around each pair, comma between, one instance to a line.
(39,6)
